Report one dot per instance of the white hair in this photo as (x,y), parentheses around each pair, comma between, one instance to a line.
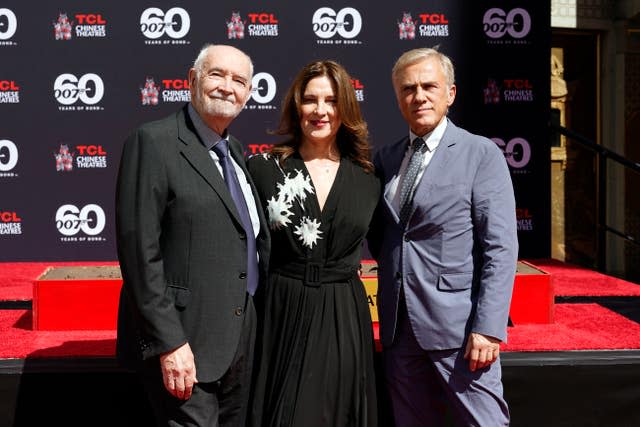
(417,55)
(199,61)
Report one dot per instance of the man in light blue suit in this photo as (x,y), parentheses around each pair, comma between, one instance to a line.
(446,244)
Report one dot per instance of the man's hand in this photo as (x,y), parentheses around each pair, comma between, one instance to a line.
(179,371)
(482,350)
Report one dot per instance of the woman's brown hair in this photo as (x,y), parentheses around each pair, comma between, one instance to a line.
(352,137)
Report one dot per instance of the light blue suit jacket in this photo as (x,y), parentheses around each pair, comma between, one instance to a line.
(456,258)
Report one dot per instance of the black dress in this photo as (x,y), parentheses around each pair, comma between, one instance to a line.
(316,359)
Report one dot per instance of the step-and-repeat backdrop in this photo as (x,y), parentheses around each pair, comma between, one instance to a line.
(77,76)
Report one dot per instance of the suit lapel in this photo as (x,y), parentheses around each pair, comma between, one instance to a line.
(198,157)
(263,239)
(236,152)
(438,163)
(391,165)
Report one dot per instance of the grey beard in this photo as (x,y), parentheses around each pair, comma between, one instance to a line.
(222,108)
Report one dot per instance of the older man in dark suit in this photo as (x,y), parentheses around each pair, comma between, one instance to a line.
(192,247)
(446,244)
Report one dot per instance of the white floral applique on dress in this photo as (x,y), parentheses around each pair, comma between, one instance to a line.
(308,231)
(293,189)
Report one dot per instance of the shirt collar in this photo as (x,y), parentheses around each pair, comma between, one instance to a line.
(432,139)
(208,136)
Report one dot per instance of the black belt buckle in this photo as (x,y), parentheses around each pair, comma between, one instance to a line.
(312,274)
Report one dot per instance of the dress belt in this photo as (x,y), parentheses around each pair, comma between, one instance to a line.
(315,273)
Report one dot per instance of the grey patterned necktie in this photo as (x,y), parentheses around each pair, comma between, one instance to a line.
(231,180)
(407,186)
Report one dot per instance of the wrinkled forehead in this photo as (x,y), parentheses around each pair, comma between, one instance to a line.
(229,60)
(424,67)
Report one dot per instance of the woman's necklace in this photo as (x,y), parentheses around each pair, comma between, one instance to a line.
(325,166)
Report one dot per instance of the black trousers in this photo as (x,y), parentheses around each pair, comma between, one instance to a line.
(221,403)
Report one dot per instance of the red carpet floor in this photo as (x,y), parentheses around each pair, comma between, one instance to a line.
(571,280)
(576,327)
(19,341)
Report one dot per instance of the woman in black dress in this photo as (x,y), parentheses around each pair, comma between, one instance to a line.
(319,191)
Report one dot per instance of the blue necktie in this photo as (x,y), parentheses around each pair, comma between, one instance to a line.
(408,183)
(231,179)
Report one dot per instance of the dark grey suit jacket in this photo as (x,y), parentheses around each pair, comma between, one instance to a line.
(182,249)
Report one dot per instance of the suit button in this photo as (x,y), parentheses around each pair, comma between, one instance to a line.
(398,275)
(243,236)
(406,238)
(243,275)
(239,311)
